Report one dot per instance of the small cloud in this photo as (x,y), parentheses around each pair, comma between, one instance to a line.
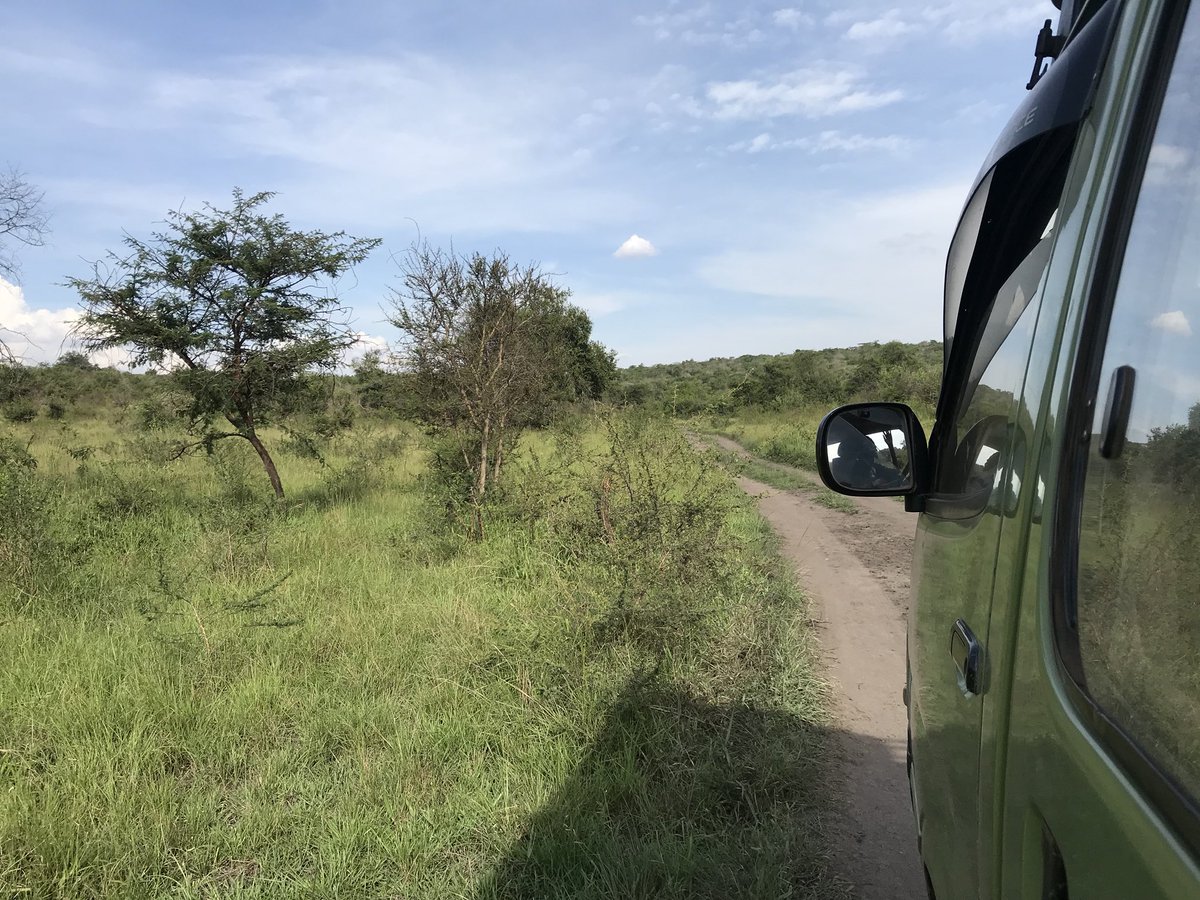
(756,144)
(1169,164)
(635,245)
(761,142)
(1168,156)
(1174,322)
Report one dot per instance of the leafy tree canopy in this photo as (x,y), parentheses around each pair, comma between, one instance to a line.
(235,299)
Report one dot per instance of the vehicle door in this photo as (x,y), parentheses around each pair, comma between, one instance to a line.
(956,546)
(995,272)
(1101,762)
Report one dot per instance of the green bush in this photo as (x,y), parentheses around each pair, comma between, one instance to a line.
(21,411)
(642,522)
(162,410)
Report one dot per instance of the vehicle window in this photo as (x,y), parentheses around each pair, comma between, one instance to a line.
(1138,603)
(970,468)
(962,248)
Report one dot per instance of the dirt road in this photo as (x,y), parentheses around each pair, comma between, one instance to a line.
(856,569)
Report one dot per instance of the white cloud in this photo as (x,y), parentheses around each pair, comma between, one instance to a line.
(968,21)
(367,343)
(635,245)
(33,335)
(759,143)
(827,142)
(805,92)
(889,25)
(962,21)
(1169,164)
(1169,156)
(1174,322)
(836,141)
(792,18)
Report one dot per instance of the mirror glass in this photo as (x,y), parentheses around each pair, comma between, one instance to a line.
(868,450)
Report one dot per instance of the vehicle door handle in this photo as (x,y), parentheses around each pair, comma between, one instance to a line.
(966,652)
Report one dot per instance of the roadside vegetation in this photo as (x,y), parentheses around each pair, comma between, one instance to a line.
(612,692)
(498,639)
(786,478)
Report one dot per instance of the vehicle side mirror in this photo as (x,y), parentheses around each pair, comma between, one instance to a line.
(873,449)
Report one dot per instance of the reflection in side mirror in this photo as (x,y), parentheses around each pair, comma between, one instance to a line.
(871,448)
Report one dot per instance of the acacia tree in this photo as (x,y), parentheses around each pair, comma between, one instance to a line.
(489,348)
(240,304)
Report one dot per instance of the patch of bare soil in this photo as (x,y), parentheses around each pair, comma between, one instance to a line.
(856,570)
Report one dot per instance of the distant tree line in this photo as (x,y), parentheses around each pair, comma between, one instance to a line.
(890,371)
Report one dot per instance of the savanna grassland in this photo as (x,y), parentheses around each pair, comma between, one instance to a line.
(610,692)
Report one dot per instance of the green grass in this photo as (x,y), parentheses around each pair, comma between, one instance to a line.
(783,437)
(840,502)
(204,695)
(778,476)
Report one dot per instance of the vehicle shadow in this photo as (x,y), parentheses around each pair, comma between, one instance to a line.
(682,797)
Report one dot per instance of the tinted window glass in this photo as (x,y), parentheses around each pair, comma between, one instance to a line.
(1139,556)
(971,468)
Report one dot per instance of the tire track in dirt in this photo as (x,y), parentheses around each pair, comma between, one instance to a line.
(855,568)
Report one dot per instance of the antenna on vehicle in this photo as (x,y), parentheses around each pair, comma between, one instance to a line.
(1048,46)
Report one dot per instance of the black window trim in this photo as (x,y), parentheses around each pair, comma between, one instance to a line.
(1164,792)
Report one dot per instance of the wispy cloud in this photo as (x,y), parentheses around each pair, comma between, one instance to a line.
(962,21)
(812,93)
(890,25)
(876,260)
(826,142)
(704,26)
(793,18)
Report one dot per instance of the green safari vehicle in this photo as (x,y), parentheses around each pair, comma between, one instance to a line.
(1054,635)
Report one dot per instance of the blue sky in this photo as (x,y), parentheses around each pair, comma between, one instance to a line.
(797,168)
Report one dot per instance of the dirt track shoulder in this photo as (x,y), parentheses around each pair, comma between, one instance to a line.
(856,570)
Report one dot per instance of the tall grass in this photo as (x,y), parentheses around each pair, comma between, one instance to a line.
(207,694)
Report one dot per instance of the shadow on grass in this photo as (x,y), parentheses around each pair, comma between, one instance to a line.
(338,487)
(679,797)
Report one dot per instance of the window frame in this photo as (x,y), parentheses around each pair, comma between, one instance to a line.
(1164,792)
(1001,249)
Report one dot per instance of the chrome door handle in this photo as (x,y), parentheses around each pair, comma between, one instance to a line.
(966,652)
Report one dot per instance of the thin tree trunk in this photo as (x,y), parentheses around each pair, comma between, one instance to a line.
(268,463)
(500,431)
(481,481)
